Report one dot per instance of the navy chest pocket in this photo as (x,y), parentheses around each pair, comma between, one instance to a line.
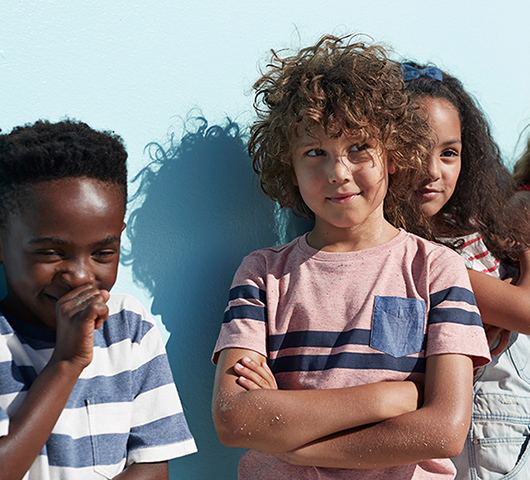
(398,325)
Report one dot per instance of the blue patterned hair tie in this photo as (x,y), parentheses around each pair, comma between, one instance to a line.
(411,73)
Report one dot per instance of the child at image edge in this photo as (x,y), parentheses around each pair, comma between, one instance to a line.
(85,386)
(352,316)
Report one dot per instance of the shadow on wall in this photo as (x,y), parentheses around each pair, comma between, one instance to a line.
(201,213)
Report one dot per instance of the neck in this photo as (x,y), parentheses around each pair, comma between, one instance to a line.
(350,239)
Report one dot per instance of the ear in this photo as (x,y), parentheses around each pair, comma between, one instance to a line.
(123,227)
(294,179)
(391,167)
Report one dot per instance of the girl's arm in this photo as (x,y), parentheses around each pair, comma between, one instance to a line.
(277,420)
(436,430)
(503,304)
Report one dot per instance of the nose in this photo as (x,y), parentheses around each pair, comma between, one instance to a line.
(434,168)
(339,169)
(77,272)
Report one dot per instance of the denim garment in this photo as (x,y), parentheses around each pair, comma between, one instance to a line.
(498,445)
(398,325)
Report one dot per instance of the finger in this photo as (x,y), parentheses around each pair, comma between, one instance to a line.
(491,334)
(504,341)
(250,375)
(77,300)
(94,311)
(266,367)
(248,384)
(105,294)
(262,369)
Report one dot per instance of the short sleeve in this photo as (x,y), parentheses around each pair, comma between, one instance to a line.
(245,317)
(454,323)
(159,430)
(4,422)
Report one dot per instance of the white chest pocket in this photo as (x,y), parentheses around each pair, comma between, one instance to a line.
(109,425)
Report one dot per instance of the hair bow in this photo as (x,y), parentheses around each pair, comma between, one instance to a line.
(411,73)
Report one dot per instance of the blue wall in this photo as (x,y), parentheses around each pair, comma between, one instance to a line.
(148,69)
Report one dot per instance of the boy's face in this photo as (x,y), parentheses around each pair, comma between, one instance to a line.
(66,235)
(342,181)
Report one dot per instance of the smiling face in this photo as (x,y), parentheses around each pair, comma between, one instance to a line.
(66,235)
(344,183)
(445,161)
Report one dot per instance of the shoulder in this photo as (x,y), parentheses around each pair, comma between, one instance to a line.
(278,250)
(128,318)
(271,258)
(123,302)
(432,250)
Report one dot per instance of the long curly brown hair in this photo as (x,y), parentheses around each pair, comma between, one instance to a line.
(481,200)
(346,87)
(521,170)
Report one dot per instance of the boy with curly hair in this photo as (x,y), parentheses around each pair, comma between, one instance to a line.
(326,340)
(85,386)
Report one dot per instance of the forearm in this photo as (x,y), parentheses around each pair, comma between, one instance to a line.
(437,430)
(31,424)
(409,438)
(145,471)
(502,304)
(281,420)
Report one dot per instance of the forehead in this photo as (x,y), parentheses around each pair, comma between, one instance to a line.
(62,203)
(442,116)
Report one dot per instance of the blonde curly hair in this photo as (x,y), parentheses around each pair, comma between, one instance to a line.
(346,87)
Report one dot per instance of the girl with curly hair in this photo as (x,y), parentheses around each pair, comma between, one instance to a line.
(467,193)
(326,338)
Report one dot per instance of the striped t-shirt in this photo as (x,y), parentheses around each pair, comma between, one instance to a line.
(123,409)
(331,320)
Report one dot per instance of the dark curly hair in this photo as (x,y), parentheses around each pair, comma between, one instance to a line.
(345,87)
(521,170)
(481,200)
(48,151)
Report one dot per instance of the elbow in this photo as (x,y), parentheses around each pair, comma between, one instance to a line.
(452,439)
(225,424)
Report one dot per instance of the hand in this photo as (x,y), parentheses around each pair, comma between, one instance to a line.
(79,313)
(492,333)
(255,376)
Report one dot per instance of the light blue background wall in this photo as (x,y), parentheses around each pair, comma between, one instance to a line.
(141,68)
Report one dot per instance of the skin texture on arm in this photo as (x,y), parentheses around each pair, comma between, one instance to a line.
(503,304)
(281,420)
(78,313)
(436,430)
(145,471)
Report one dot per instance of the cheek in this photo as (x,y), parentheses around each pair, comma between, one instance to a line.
(107,275)
(453,177)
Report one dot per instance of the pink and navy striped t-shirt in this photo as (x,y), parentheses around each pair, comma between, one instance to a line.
(331,320)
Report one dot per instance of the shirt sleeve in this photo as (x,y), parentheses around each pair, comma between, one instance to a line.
(4,423)
(454,323)
(159,430)
(245,317)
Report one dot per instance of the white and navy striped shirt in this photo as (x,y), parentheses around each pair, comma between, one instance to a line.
(123,409)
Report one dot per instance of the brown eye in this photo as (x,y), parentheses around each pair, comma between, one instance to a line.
(359,148)
(315,152)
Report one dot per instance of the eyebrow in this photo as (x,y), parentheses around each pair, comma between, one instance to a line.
(303,145)
(61,241)
(452,142)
